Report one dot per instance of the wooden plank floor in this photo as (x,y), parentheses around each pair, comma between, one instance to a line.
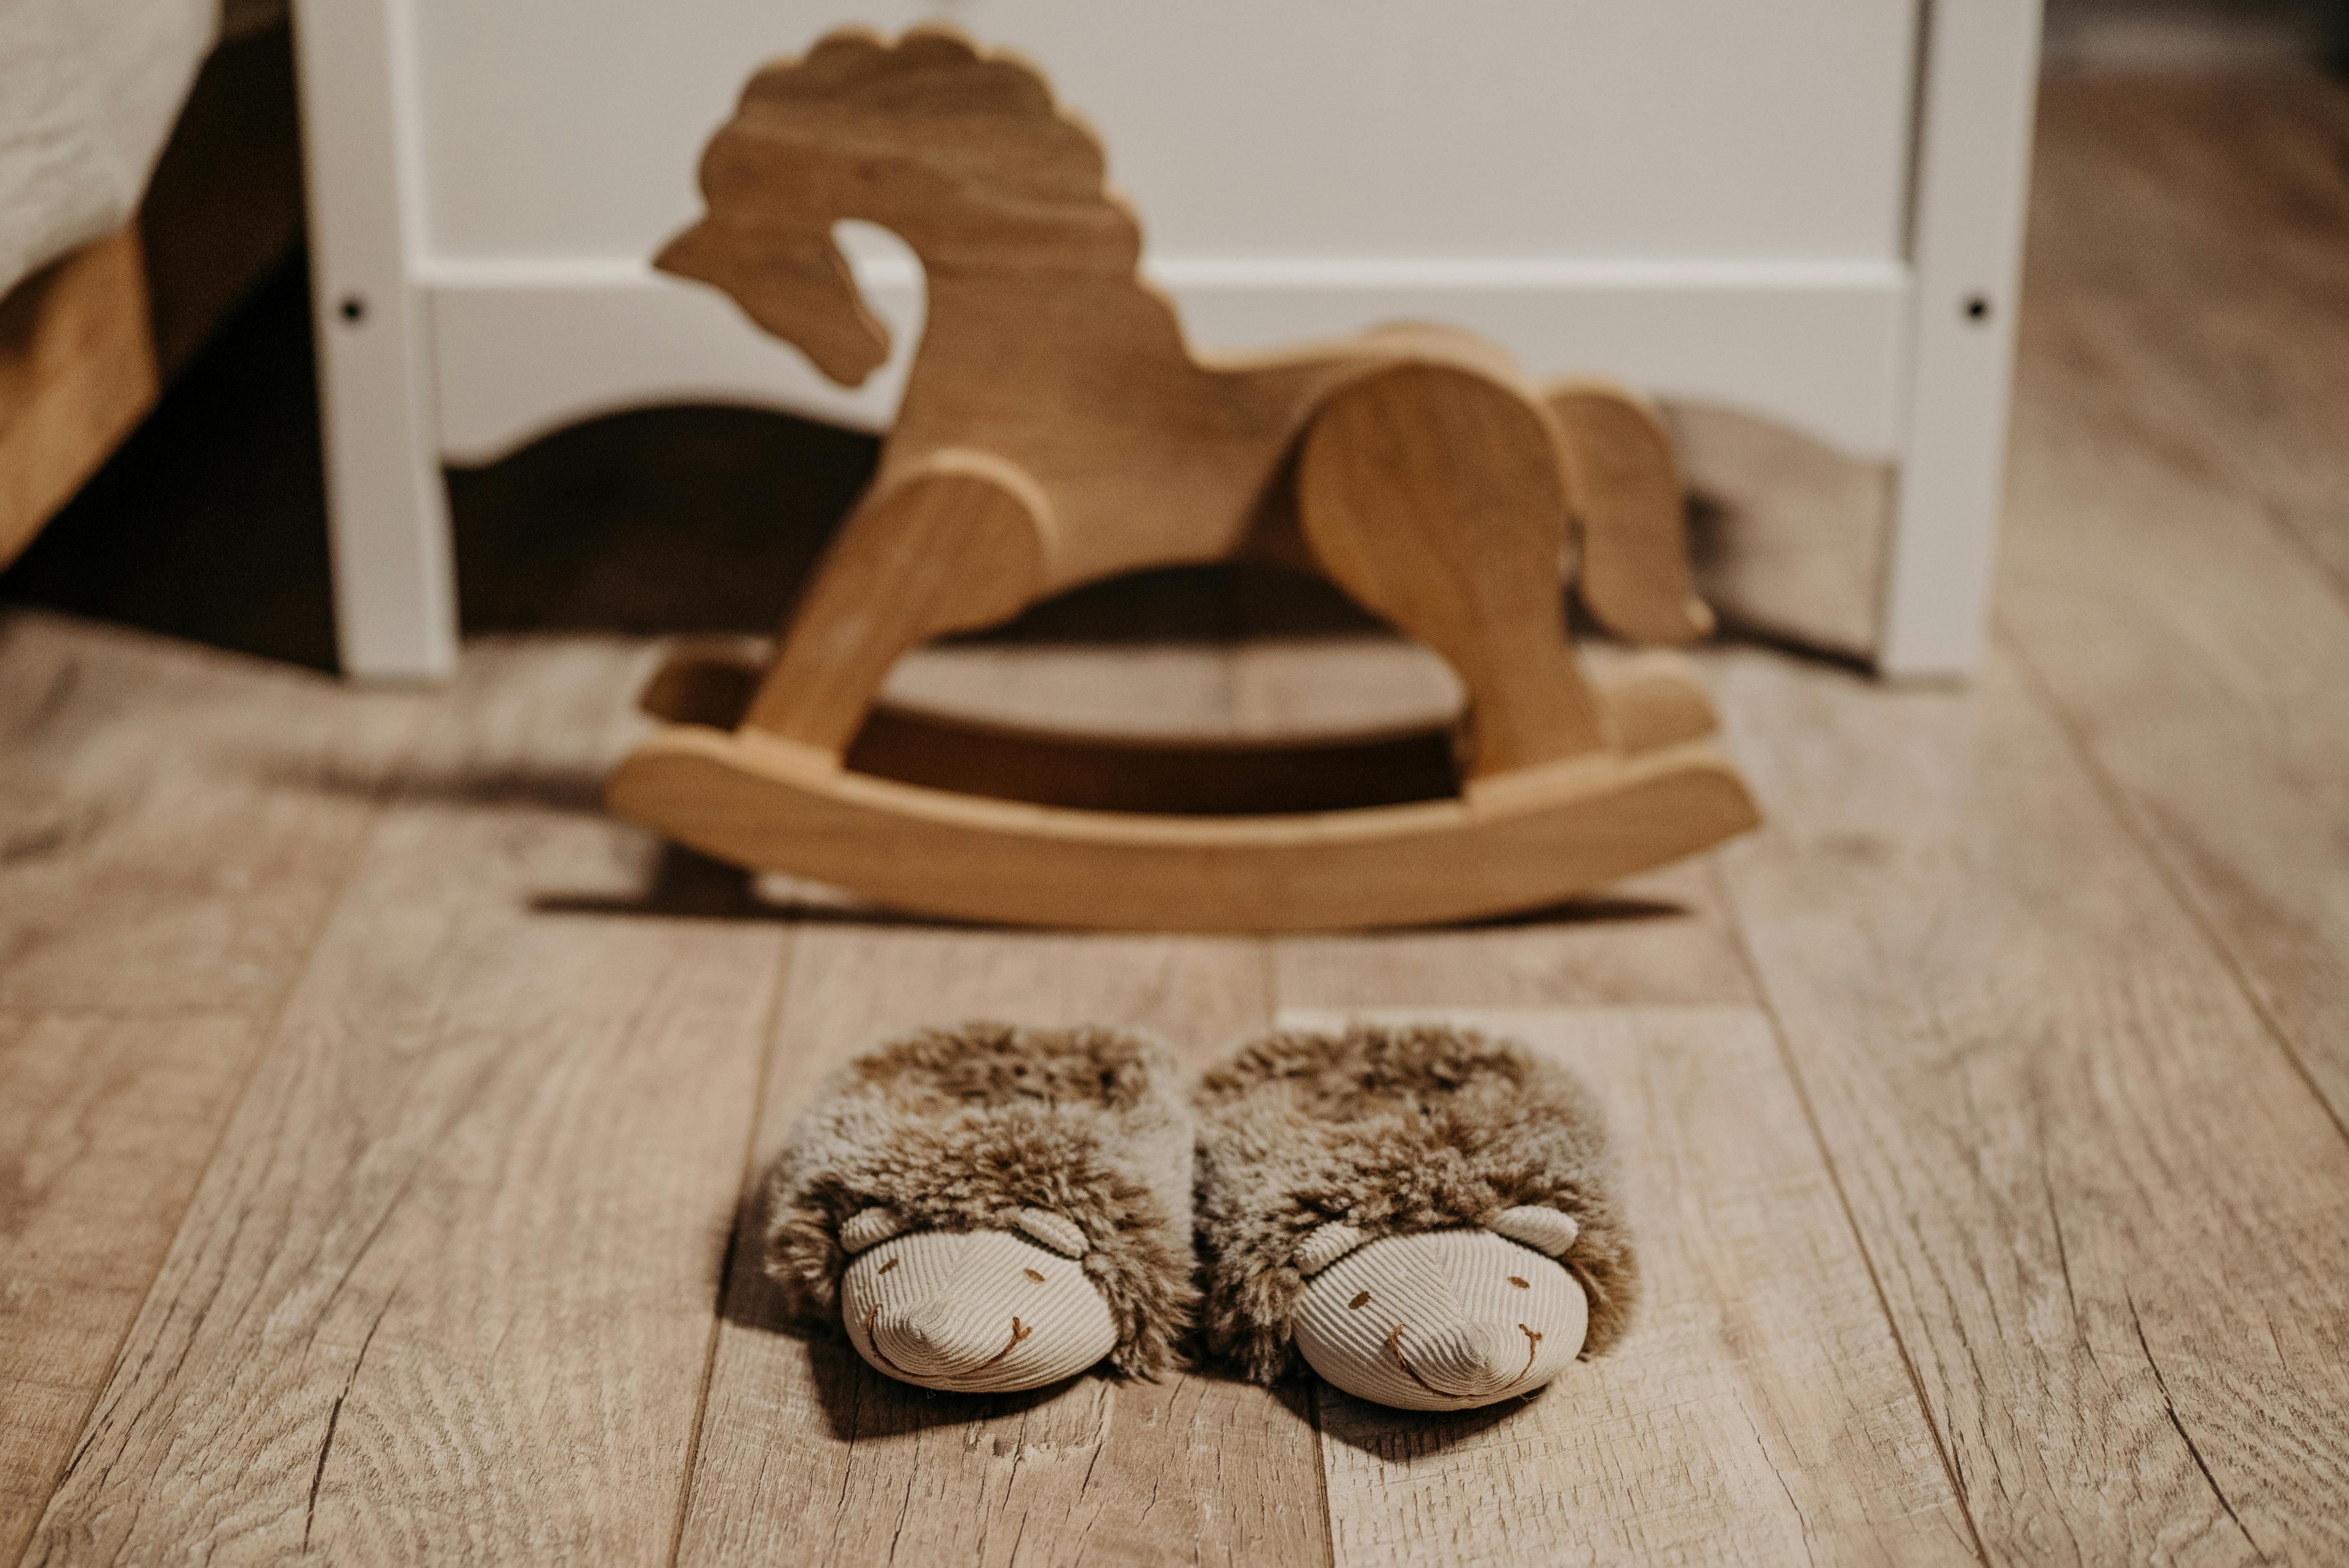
(379,1121)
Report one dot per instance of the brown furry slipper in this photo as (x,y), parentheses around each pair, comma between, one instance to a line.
(1427,1214)
(989,1208)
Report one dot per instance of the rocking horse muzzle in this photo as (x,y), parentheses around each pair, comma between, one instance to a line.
(793,282)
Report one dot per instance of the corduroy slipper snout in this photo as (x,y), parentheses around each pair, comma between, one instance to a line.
(989,1208)
(1428,1216)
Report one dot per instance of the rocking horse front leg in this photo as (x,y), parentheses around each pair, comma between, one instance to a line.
(958,544)
(1434,495)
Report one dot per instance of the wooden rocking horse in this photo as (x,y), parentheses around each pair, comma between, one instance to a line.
(1056,431)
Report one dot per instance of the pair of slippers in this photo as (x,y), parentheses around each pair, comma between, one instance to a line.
(1427,1216)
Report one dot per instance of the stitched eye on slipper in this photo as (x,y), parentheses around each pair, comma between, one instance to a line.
(869,1228)
(1545,1230)
(1326,1246)
(1057,1231)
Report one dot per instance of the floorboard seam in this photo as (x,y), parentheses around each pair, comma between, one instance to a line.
(1270,949)
(769,1022)
(2223,461)
(2193,1450)
(1321,1474)
(1779,1036)
(2115,800)
(270,1021)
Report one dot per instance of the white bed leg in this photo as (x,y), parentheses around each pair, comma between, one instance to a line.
(387,509)
(1974,167)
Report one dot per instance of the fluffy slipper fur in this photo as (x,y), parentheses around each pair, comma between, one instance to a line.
(959,1129)
(1392,1131)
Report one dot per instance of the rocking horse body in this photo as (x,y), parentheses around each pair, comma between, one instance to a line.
(1056,430)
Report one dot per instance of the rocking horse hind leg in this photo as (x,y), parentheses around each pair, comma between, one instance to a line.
(1436,495)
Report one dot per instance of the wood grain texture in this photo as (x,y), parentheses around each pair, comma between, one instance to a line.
(1665,937)
(174,824)
(76,371)
(106,1122)
(957,544)
(2194,228)
(1651,700)
(1040,344)
(87,344)
(1125,688)
(1564,829)
(2176,575)
(1629,508)
(808,1453)
(2109,1219)
(1436,499)
(1300,685)
(1055,430)
(448,1292)
(1759,1410)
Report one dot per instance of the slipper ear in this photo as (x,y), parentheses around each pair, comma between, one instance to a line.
(1545,1230)
(869,1228)
(1326,1247)
(1057,1231)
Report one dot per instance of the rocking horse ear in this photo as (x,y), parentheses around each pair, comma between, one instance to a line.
(1545,1230)
(1326,1247)
(869,1228)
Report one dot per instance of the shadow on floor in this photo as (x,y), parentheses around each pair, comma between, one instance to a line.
(1394,1436)
(210,522)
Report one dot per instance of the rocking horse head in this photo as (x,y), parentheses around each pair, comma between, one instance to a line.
(963,155)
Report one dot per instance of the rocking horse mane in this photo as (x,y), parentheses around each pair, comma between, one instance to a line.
(962,153)
(932,94)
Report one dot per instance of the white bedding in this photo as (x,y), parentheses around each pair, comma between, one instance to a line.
(89,90)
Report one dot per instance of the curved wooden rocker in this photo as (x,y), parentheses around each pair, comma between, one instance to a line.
(1056,431)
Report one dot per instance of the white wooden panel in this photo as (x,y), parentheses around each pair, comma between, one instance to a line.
(395,592)
(1982,62)
(525,347)
(1710,129)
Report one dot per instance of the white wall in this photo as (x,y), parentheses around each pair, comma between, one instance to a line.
(1714,129)
(1705,197)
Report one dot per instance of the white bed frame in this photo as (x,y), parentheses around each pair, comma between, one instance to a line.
(485,182)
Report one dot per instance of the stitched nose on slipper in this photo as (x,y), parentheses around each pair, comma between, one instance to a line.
(1467,1360)
(948,1338)
(974,1312)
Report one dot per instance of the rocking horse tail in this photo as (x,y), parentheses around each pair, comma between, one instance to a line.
(1624,490)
